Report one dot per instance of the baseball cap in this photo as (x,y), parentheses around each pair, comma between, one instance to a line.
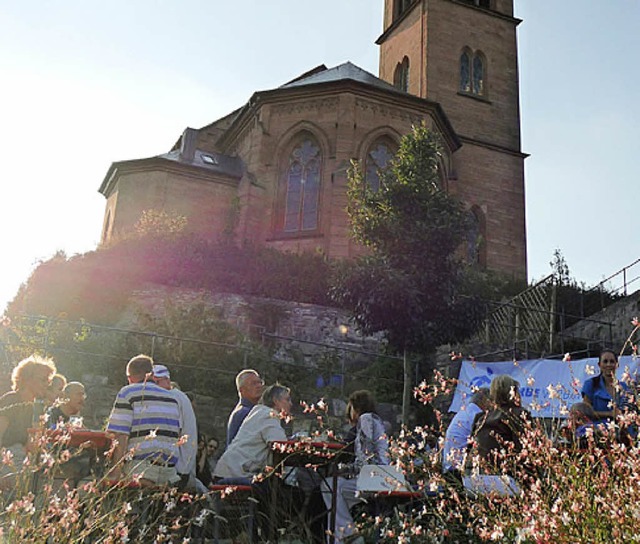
(161,371)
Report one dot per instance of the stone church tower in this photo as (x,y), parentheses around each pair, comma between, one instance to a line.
(276,168)
(463,55)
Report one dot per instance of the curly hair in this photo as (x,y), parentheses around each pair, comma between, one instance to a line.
(28,368)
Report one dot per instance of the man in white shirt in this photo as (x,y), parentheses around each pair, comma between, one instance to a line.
(456,439)
(186,464)
(247,455)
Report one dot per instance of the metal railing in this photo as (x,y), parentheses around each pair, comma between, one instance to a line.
(528,317)
(101,348)
(619,283)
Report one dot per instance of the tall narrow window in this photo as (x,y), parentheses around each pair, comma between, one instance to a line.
(465,72)
(473,72)
(303,188)
(478,75)
(476,250)
(377,161)
(401,75)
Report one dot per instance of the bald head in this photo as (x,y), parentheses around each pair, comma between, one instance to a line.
(73,396)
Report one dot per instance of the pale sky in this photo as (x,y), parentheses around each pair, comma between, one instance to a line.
(87,83)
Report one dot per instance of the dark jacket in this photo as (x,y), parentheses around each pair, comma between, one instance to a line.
(499,429)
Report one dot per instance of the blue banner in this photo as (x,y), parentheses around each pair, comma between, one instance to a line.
(548,387)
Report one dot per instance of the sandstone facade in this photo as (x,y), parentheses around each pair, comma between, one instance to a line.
(248,170)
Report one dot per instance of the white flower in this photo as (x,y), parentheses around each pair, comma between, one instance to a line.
(590,370)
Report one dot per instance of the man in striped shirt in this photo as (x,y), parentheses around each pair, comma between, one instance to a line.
(145,420)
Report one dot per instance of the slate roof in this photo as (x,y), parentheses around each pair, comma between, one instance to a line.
(214,162)
(341,72)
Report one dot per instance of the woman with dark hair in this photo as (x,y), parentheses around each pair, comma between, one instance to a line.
(499,429)
(370,448)
(606,395)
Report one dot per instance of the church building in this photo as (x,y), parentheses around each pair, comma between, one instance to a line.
(276,169)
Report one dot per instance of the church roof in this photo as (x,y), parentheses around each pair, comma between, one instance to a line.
(348,70)
(346,76)
(214,162)
(208,164)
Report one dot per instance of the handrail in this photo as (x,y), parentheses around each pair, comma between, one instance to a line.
(622,271)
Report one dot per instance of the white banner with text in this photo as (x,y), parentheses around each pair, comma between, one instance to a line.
(548,387)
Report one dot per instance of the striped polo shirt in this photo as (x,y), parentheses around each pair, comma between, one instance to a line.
(150,416)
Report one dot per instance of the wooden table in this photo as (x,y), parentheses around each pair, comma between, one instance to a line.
(71,437)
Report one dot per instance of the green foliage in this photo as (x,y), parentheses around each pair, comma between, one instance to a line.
(490,284)
(411,220)
(207,367)
(408,284)
(560,268)
(160,223)
(573,299)
(96,286)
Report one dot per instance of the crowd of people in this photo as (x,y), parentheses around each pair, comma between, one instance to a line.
(491,425)
(156,440)
(155,434)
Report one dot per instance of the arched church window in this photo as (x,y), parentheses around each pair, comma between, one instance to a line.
(401,75)
(303,187)
(465,72)
(478,74)
(378,158)
(473,72)
(475,238)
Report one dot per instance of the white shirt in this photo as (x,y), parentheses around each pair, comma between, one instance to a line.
(248,453)
(187,457)
(456,439)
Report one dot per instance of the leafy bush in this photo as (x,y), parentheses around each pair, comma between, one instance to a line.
(96,285)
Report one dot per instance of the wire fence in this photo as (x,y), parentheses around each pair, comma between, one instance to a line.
(97,354)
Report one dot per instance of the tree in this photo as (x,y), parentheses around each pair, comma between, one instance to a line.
(560,268)
(408,283)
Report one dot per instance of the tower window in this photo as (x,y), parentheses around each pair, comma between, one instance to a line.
(486,4)
(476,246)
(401,75)
(399,7)
(465,72)
(472,72)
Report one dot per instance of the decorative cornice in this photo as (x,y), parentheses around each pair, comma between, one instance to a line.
(322,95)
(383,37)
(395,24)
(385,110)
(494,147)
(156,164)
(304,106)
(491,12)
